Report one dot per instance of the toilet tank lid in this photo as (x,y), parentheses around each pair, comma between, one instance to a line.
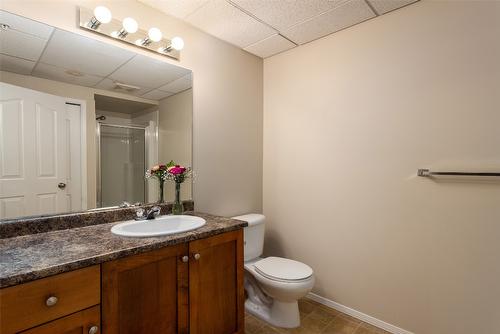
(251,218)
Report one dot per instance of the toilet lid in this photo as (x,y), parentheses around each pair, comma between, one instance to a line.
(283,269)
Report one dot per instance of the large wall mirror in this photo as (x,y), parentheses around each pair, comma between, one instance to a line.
(82,120)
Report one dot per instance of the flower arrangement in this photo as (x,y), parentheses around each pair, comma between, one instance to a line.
(173,172)
(159,172)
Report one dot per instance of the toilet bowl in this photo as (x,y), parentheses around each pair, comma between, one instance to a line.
(273,284)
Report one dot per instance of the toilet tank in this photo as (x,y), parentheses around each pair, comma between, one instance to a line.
(253,235)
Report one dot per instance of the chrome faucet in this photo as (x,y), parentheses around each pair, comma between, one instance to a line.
(152,213)
(126,204)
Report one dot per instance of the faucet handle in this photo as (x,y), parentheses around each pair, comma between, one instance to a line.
(156,210)
(140,213)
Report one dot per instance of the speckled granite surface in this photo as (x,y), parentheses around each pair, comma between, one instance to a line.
(41,224)
(29,257)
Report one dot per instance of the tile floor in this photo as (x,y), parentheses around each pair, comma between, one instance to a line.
(315,319)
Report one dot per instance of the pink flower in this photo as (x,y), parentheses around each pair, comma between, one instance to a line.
(176,170)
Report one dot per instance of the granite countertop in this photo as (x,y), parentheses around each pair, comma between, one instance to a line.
(29,257)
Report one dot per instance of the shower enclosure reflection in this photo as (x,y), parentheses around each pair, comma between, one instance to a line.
(122,155)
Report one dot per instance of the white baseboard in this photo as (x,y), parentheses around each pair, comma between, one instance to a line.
(358,315)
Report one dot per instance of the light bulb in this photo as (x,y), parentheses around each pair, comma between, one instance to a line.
(155,34)
(177,43)
(130,25)
(102,14)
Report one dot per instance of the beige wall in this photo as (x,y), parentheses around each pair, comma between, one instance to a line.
(175,136)
(227,100)
(348,120)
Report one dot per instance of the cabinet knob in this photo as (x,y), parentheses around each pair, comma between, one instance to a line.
(93,330)
(51,301)
(197,256)
(185,258)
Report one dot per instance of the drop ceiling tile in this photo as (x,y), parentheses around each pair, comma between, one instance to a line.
(83,54)
(16,65)
(157,95)
(19,44)
(178,85)
(270,46)
(59,74)
(384,6)
(108,84)
(282,14)
(346,15)
(177,8)
(25,25)
(144,71)
(225,21)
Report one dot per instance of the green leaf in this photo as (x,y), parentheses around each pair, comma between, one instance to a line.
(171,164)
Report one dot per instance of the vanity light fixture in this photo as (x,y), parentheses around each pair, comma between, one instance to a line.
(130,26)
(176,43)
(100,21)
(101,15)
(154,35)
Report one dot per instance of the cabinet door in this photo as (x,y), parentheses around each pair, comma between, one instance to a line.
(83,322)
(146,293)
(216,295)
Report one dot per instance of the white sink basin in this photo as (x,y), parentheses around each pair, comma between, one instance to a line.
(162,225)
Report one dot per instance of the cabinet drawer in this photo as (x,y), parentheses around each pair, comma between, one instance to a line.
(27,305)
(86,321)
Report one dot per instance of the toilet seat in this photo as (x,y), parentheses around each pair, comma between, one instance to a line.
(283,270)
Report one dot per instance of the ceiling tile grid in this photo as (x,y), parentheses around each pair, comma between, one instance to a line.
(17,65)
(156,94)
(144,71)
(225,21)
(270,46)
(254,25)
(346,15)
(179,9)
(109,84)
(61,74)
(19,44)
(26,26)
(385,6)
(80,53)
(284,14)
(177,85)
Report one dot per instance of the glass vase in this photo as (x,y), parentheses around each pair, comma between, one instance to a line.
(161,198)
(177,207)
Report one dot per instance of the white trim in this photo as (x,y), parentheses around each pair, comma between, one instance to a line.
(357,314)
(83,148)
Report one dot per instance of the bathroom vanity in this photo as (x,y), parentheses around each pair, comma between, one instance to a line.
(87,280)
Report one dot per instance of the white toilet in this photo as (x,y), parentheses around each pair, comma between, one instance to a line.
(273,284)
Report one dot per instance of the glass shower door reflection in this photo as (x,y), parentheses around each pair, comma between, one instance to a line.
(122,165)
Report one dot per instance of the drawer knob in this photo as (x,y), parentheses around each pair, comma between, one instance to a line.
(185,258)
(51,301)
(197,256)
(93,330)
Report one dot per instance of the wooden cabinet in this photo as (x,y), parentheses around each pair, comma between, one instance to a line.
(83,322)
(194,287)
(216,295)
(146,293)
